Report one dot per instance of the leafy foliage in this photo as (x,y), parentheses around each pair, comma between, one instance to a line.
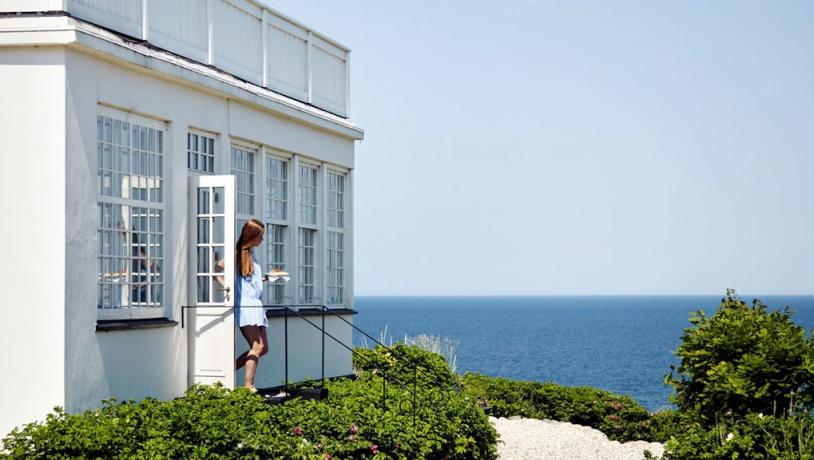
(754,436)
(620,417)
(742,359)
(406,363)
(212,422)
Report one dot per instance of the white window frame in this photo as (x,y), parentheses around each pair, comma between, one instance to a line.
(214,155)
(241,217)
(289,264)
(140,312)
(340,284)
(318,286)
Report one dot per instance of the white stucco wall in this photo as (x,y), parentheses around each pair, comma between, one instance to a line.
(32,226)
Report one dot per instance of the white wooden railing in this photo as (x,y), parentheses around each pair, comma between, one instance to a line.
(242,37)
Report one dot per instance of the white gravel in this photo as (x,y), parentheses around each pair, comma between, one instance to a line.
(527,438)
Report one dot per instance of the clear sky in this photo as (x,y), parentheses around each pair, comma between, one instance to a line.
(572,147)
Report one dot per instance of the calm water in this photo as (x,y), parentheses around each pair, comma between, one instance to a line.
(619,343)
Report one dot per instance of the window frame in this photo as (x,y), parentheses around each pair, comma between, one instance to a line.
(289,262)
(340,231)
(163,171)
(214,155)
(256,151)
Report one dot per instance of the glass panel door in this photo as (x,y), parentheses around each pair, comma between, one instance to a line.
(211,280)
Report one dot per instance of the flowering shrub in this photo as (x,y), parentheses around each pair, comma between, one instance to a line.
(212,422)
(754,436)
(401,361)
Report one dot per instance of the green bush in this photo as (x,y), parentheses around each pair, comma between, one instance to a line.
(406,363)
(619,417)
(754,437)
(212,422)
(742,359)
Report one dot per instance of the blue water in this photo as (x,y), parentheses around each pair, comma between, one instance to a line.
(622,344)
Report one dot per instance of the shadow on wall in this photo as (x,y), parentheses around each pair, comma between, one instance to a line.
(142,363)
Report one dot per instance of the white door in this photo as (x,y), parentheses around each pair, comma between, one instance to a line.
(211,280)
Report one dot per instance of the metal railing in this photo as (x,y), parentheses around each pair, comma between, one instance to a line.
(416,367)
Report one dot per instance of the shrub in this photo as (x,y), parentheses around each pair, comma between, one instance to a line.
(742,359)
(754,436)
(400,361)
(212,422)
(619,417)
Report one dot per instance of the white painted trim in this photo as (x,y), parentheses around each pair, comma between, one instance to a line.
(145,19)
(210,32)
(309,162)
(203,131)
(337,169)
(347,84)
(244,144)
(94,40)
(295,233)
(264,45)
(145,119)
(279,153)
(309,68)
(322,220)
(349,239)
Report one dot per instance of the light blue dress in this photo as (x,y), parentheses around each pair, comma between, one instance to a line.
(249,294)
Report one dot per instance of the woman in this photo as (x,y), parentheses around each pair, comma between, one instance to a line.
(251,316)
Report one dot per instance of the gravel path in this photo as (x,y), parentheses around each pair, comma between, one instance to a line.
(527,438)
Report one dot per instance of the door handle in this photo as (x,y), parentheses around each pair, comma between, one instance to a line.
(228,290)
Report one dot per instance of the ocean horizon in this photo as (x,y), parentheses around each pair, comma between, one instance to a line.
(619,343)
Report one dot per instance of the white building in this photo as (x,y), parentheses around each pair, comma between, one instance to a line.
(135,136)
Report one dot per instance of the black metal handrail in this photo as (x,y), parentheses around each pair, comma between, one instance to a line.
(416,367)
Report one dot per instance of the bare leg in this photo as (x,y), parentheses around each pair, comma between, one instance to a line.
(258,346)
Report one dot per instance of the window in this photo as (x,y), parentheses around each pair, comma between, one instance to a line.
(336,200)
(306,265)
(276,199)
(307,195)
(200,153)
(243,169)
(336,268)
(130,207)
(336,238)
(276,188)
(275,258)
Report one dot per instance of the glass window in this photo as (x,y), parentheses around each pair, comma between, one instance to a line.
(307,195)
(336,200)
(130,175)
(276,188)
(336,268)
(242,167)
(306,264)
(275,258)
(200,153)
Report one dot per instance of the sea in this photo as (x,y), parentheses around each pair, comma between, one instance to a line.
(622,344)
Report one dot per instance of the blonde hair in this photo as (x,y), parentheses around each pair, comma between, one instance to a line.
(250,236)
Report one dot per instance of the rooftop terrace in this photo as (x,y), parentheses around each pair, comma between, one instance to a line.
(243,37)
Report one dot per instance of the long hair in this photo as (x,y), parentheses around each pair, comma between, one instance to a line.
(250,236)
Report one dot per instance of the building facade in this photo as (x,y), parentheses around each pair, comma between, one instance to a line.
(136,136)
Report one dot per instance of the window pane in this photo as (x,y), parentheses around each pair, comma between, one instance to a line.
(131,235)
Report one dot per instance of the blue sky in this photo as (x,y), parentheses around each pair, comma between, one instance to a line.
(533,147)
